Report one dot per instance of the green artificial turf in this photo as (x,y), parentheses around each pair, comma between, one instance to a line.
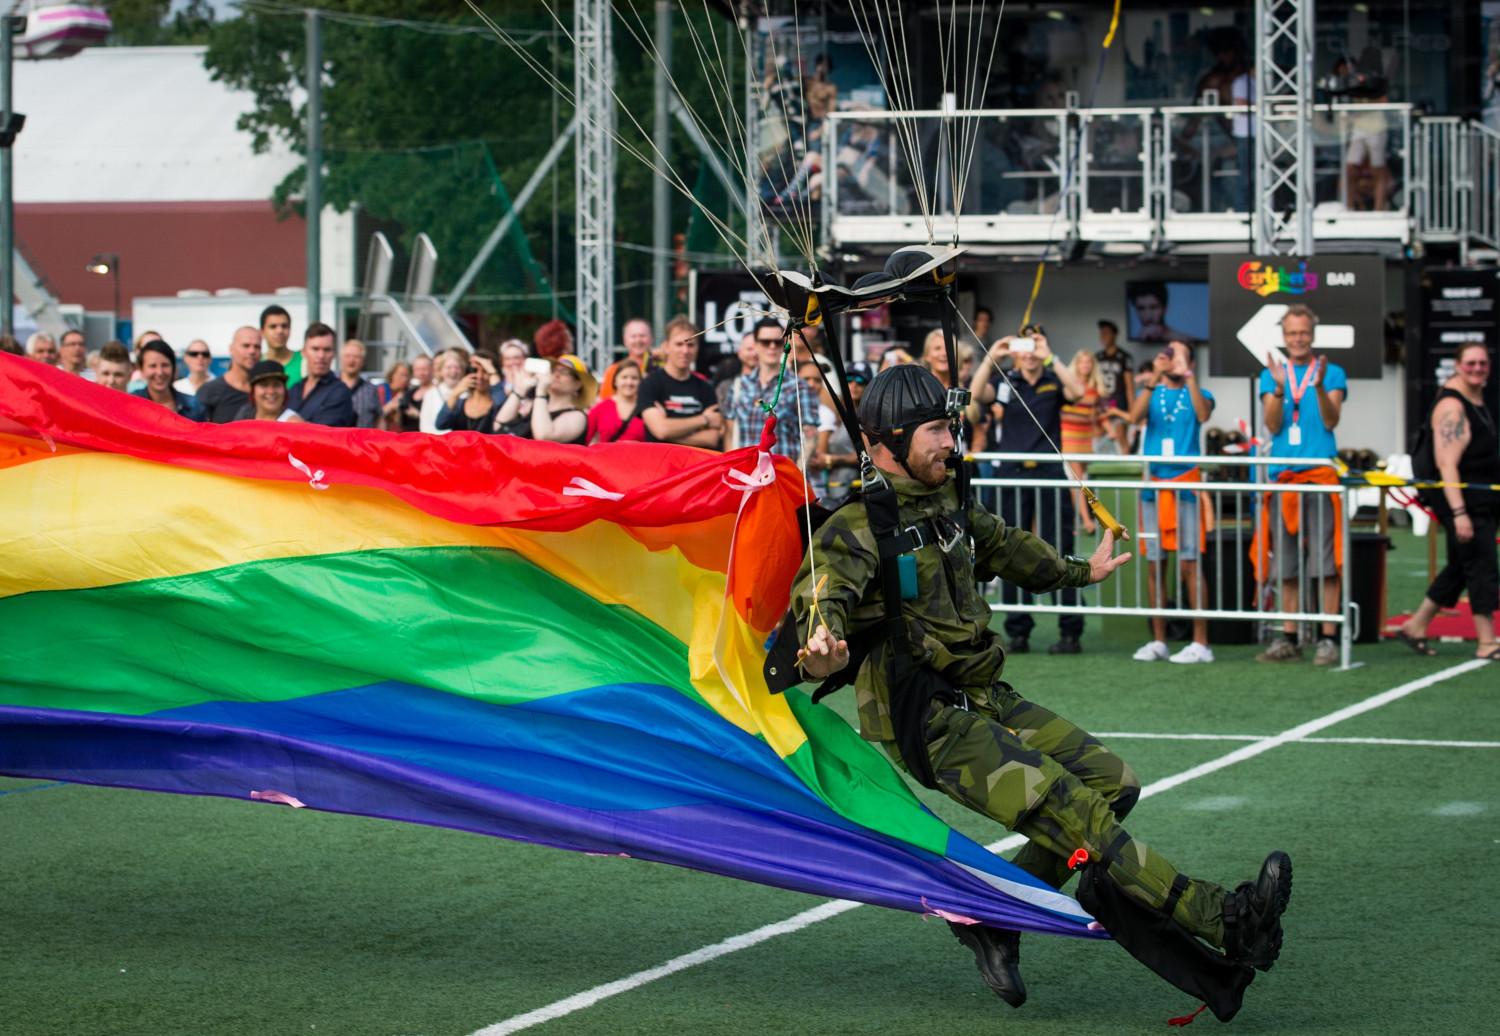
(133,913)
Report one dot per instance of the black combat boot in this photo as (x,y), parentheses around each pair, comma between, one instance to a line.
(997,951)
(1252,914)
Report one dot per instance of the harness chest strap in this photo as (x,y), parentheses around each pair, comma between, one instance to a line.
(921,533)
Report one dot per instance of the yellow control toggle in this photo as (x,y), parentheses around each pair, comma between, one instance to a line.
(1106,519)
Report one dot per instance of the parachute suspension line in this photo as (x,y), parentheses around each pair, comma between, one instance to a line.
(1072,163)
(838,394)
(736,136)
(815,612)
(958,397)
(648,43)
(909,102)
(797,152)
(726,233)
(958,137)
(531,62)
(957,126)
(946,119)
(975,100)
(786,352)
(889,69)
(803,242)
(736,245)
(1108,520)
(807,156)
(742,309)
(751,148)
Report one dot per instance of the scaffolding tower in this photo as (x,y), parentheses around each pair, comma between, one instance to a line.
(1283,214)
(594,181)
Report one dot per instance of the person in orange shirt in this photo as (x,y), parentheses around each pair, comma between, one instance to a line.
(636,337)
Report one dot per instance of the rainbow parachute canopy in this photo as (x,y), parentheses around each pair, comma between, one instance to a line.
(555,644)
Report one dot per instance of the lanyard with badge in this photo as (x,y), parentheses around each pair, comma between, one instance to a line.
(1297,391)
(1168,444)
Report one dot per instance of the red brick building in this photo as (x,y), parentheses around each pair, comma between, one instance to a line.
(134,151)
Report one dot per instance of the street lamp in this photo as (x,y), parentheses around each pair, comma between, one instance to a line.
(109,263)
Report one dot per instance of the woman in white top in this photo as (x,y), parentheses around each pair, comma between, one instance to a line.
(452,366)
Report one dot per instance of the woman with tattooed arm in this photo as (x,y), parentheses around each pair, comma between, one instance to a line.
(1460,450)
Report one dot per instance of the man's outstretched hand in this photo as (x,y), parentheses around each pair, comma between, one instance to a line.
(1101,564)
(823,655)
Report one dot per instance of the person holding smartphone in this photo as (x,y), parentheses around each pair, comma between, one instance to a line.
(1042,387)
(471,405)
(1174,407)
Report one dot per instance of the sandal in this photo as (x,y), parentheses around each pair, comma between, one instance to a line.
(1417,644)
(1492,656)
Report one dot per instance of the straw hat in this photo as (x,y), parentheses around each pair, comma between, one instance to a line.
(590,385)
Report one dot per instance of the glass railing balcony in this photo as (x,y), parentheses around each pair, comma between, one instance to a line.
(1011,190)
(1153,176)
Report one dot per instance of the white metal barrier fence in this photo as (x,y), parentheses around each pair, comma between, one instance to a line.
(1220,584)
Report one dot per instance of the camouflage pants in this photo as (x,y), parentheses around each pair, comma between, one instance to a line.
(1043,777)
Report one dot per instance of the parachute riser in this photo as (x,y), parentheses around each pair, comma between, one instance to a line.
(843,399)
(958,393)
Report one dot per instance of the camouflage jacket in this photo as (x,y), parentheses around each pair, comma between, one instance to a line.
(948,622)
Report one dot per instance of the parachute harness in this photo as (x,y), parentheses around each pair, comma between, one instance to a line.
(914,687)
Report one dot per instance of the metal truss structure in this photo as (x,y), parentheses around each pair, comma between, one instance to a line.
(1283,209)
(594,181)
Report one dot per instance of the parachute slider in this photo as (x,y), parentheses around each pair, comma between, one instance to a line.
(912,271)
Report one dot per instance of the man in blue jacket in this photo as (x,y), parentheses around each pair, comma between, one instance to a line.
(321,397)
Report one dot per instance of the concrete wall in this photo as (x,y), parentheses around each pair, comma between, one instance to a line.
(1074,299)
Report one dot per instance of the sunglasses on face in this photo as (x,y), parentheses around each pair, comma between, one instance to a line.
(197,356)
(768,341)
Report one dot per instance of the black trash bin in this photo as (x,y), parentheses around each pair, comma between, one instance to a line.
(1219,563)
(1367,553)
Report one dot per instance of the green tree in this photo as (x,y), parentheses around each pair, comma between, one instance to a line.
(414,115)
(141,23)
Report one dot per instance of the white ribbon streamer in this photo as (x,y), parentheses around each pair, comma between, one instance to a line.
(746,483)
(580,486)
(314,478)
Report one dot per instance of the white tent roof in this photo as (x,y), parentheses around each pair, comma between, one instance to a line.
(135,124)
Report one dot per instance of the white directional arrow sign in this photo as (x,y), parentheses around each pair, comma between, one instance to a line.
(1261,334)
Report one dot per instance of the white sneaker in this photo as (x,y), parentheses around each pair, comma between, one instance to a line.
(1155,651)
(1192,654)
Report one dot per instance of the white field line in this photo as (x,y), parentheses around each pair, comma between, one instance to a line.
(1400,742)
(833,908)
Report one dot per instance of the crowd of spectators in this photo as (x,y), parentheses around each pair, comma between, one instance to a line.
(654,391)
(537,390)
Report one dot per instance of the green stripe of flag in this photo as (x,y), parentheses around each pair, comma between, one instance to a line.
(480,622)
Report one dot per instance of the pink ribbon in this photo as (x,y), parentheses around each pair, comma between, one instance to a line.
(281,798)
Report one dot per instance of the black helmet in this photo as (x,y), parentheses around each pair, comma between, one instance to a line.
(897,402)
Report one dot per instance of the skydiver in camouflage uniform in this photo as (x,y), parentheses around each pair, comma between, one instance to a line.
(995,752)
